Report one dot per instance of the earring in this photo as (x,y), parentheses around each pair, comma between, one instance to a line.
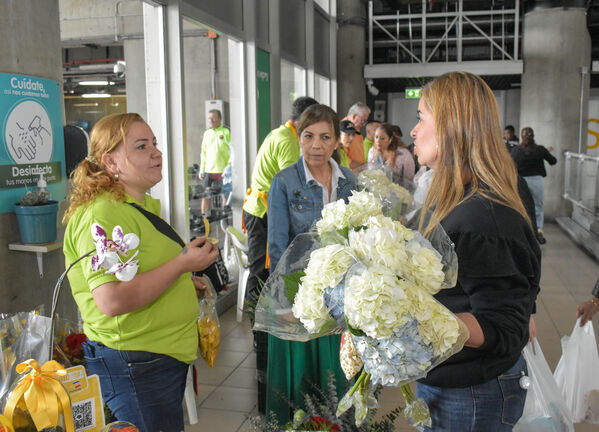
(116,176)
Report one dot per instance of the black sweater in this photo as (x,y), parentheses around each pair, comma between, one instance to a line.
(498,281)
(532,163)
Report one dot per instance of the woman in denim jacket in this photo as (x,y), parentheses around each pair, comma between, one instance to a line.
(295,201)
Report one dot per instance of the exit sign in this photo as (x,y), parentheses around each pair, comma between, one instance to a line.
(413,93)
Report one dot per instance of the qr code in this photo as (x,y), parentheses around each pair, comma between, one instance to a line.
(84,415)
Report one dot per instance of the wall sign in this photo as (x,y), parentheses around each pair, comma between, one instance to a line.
(413,93)
(31,139)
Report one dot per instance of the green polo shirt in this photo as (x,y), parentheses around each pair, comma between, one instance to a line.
(216,148)
(165,326)
(367,146)
(343,160)
(279,150)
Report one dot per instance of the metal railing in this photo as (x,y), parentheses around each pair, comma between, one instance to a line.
(408,32)
(581,181)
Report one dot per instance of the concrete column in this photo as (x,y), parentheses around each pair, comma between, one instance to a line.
(351,54)
(556,46)
(135,76)
(30,34)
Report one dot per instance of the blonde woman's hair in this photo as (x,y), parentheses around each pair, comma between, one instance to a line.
(470,147)
(91,178)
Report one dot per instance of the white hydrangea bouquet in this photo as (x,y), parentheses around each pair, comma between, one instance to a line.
(395,194)
(362,272)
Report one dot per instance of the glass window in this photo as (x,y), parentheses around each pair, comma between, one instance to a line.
(324,4)
(293,85)
(322,89)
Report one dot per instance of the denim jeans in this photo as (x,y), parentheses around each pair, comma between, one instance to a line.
(537,190)
(495,405)
(141,387)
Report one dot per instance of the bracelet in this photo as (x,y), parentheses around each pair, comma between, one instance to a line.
(595,303)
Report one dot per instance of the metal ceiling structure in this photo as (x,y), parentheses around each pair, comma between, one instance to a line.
(411,41)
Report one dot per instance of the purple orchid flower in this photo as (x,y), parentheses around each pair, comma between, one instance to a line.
(108,252)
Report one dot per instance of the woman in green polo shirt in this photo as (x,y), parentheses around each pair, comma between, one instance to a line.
(139,313)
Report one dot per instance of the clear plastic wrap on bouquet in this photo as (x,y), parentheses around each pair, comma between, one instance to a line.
(273,313)
(24,335)
(396,193)
(303,297)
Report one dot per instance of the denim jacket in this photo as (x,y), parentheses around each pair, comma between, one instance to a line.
(294,205)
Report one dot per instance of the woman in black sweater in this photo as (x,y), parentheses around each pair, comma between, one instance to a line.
(530,160)
(474,195)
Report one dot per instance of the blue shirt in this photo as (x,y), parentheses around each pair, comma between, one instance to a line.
(295,203)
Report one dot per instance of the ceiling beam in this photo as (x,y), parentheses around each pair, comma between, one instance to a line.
(409,70)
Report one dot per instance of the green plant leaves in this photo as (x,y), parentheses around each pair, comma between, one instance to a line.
(292,282)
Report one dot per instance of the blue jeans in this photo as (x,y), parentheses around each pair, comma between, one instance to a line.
(495,405)
(140,387)
(537,190)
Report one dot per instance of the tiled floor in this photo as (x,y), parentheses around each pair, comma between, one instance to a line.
(227,394)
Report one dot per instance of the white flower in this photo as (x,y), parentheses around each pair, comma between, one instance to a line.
(333,217)
(375,301)
(326,268)
(361,206)
(309,306)
(377,182)
(424,267)
(379,245)
(436,324)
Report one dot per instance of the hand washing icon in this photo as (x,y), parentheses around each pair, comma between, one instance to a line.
(28,139)
(29,133)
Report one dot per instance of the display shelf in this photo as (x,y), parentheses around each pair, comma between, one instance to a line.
(38,249)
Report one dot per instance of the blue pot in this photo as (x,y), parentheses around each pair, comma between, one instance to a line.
(37,224)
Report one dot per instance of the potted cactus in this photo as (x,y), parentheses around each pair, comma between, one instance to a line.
(37,215)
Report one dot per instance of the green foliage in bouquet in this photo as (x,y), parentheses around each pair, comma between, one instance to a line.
(292,282)
(319,415)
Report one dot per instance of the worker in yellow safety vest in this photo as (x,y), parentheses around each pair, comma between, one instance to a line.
(279,150)
(215,156)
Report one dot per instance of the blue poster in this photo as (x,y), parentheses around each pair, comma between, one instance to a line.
(32,139)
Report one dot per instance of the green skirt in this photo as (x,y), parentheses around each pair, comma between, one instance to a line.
(295,367)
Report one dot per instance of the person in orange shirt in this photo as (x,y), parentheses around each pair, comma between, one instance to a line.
(358,114)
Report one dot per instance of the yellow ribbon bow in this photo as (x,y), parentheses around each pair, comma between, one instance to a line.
(42,393)
(5,424)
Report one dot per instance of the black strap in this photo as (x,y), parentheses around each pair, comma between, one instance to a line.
(160,224)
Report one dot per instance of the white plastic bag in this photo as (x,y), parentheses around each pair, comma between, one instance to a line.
(577,373)
(544,409)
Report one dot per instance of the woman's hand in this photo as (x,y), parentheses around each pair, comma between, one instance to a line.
(532,329)
(587,309)
(198,254)
(477,337)
(202,287)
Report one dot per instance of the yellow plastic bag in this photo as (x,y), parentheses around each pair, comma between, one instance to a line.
(209,329)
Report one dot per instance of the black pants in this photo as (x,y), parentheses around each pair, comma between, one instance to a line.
(257,231)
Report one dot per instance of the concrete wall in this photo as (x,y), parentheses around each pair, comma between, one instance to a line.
(100,21)
(351,54)
(30,46)
(556,45)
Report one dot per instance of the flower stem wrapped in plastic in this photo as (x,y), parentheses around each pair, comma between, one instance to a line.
(376,277)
